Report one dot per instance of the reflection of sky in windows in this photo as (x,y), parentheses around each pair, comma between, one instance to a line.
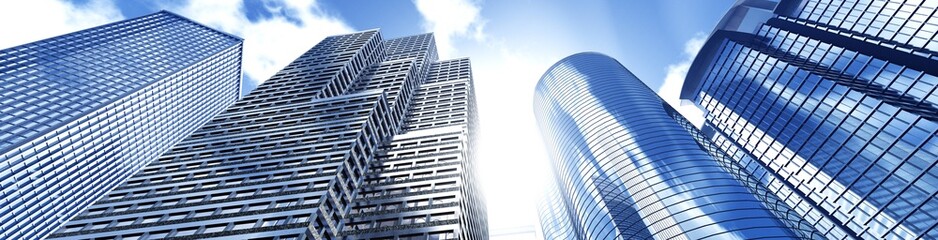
(48,83)
(82,111)
(900,25)
(853,131)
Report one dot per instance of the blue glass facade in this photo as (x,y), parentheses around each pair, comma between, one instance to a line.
(624,168)
(358,138)
(834,105)
(81,112)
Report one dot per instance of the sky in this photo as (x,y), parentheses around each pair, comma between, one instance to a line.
(510,44)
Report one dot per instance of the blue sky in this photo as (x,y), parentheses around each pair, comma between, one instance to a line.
(510,43)
(646,36)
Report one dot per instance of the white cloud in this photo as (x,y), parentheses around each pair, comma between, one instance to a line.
(53,18)
(670,90)
(271,43)
(450,19)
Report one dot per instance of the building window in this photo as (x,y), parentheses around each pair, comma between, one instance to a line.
(310,200)
(219,197)
(186,231)
(442,235)
(390,206)
(151,219)
(98,225)
(442,216)
(415,219)
(243,225)
(260,206)
(387,222)
(169,202)
(228,210)
(176,216)
(273,222)
(144,205)
(121,208)
(203,213)
(270,190)
(300,219)
(444,200)
(360,225)
(125,222)
(215,228)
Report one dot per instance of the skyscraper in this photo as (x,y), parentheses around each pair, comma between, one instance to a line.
(427,171)
(624,168)
(832,107)
(358,138)
(81,112)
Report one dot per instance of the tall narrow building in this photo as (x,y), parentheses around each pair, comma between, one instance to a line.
(358,138)
(832,107)
(80,113)
(625,168)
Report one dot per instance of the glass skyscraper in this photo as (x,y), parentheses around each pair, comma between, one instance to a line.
(625,168)
(358,138)
(80,113)
(830,106)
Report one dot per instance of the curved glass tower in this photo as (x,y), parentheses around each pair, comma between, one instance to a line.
(625,169)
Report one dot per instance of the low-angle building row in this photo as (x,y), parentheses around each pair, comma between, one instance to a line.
(135,130)
(820,121)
